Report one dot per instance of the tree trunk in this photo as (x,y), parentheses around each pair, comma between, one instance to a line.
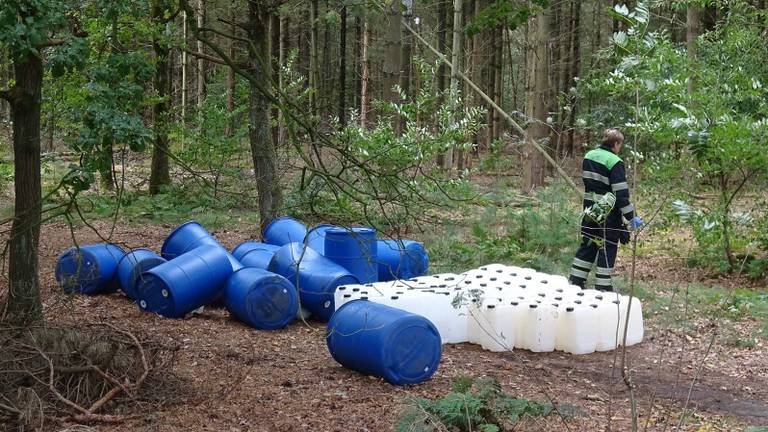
(575,67)
(490,84)
(274,63)
(314,66)
(357,60)
(405,65)
(23,305)
(160,171)
(456,52)
(231,85)
(366,76)
(392,52)
(498,82)
(479,72)
(304,45)
(200,62)
(343,66)
(5,65)
(184,65)
(537,104)
(285,27)
(106,169)
(442,19)
(327,78)
(262,148)
(693,29)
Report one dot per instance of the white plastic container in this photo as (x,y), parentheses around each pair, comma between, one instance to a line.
(478,324)
(608,316)
(577,329)
(502,318)
(540,327)
(635,331)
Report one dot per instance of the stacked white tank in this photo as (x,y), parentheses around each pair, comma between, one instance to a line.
(503,307)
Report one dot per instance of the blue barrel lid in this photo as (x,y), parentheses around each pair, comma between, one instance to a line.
(262,299)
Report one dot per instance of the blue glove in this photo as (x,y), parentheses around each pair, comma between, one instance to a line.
(636,222)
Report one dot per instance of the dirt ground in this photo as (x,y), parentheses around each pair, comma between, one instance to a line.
(229,377)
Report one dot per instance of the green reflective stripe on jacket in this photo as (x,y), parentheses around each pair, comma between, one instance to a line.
(603,157)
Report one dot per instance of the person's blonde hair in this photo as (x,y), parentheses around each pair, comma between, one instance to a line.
(612,136)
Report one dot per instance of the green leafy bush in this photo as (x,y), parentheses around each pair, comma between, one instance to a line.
(481,405)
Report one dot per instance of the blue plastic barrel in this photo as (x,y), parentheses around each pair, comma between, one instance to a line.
(284,230)
(316,237)
(379,340)
(133,264)
(247,246)
(355,250)
(262,299)
(89,269)
(258,258)
(401,259)
(314,276)
(185,283)
(191,235)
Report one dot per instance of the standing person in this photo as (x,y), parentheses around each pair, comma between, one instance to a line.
(606,202)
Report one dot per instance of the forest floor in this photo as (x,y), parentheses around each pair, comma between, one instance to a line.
(229,377)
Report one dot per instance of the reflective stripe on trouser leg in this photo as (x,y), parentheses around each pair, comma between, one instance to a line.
(582,262)
(606,258)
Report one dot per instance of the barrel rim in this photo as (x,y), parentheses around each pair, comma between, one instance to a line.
(352,230)
(175,230)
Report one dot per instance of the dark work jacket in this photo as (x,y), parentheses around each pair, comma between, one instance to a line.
(603,171)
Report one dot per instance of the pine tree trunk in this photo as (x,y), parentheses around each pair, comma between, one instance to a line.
(285,27)
(231,86)
(456,53)
(392,52)
(160,170)
(200,94)
(314,66)
(274,63)
(343,66)
(366,76)
(4,78)
(327,78)
(184,66)
(442,19)
(537,104)
(562,74)
(575,67)
(23,305)
(357,61)
(490,84)
(262,148)
(479,71)
(498,81)
(405,65)
(304,45)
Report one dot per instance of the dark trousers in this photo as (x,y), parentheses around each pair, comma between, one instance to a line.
(587,255)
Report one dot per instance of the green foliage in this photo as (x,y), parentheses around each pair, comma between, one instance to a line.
(173,205)
(702,120)
(385,177)
(479,405)
(508,14)
(541,235)
(25,25)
